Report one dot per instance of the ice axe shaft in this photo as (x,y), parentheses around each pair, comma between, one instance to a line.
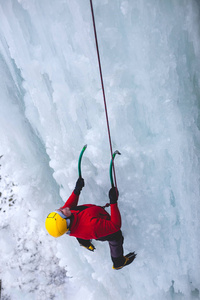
(79,161)
(111,166)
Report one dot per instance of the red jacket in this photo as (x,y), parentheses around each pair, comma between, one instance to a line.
(91,221)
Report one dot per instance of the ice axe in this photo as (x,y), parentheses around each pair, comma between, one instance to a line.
(111,166)
(79,161)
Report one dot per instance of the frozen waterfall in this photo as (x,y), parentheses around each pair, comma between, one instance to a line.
(51,105)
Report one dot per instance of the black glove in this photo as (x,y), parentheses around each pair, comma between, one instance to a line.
(113,195)
(79,185)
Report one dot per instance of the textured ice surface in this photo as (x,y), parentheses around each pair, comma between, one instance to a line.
(51,105)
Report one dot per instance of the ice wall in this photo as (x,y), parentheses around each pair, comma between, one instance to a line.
(51,105)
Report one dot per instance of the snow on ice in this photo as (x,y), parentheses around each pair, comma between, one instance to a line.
(51,105)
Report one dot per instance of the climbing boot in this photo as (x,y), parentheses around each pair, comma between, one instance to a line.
(88,245)
(126,260)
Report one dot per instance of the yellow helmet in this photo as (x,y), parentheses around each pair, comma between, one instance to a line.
(55,224)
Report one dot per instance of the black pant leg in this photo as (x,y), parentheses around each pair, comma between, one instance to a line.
(116,247)
(115,241)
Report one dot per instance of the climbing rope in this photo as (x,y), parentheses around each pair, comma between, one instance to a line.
(104,96)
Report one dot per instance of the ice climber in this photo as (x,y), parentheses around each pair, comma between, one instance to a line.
(87,222)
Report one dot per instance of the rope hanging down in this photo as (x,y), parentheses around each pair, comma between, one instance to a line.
(104,96)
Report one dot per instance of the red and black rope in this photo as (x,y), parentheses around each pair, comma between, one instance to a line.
(103,90)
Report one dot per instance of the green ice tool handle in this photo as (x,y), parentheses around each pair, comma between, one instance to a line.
(79,161)
(111,166)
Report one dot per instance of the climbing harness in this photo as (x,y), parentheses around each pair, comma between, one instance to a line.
(104,96)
